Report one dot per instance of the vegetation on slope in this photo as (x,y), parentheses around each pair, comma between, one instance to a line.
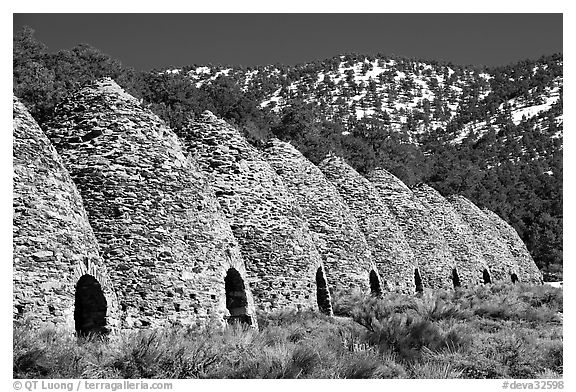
(493,331)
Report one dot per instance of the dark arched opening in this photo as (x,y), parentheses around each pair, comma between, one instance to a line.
(486,276)
(89,307)
(236,300)
(418,281)
(375,288)
(455,278)
(322,294)
(514,278)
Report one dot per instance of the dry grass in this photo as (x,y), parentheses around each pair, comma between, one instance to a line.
(493,331)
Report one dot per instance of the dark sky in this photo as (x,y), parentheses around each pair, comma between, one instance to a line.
(147,41)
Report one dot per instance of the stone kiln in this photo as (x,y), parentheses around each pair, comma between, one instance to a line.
(341,244)
(435,261)
(159,228)
(527,270)
(284,266)
(390,250)
(54,246)
(501,262)
(462,243)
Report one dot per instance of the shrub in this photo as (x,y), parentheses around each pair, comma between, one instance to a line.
(485,332)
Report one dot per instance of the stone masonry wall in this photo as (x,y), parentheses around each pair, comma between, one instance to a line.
(435,260)
(390,250)
(53,243)
(277,245)
(528,272)
(497,254)
(341,244)
(154,215)
(470,262)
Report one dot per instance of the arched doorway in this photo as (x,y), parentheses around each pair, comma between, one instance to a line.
(322,293)
(375,288)
(418,281)
(514,278)
(455,278)
(236,300)
(89,307)
(486,276)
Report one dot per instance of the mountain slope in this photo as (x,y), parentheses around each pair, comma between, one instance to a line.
(494,135)
(410,95)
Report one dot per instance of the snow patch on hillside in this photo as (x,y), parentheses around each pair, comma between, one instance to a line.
(521,110)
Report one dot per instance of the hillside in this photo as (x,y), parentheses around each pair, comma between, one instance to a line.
(411,96)
(491,135)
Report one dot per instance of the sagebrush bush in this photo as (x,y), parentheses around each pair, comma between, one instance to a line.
(492,331)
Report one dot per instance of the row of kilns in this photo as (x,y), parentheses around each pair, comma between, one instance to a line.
(122,224)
